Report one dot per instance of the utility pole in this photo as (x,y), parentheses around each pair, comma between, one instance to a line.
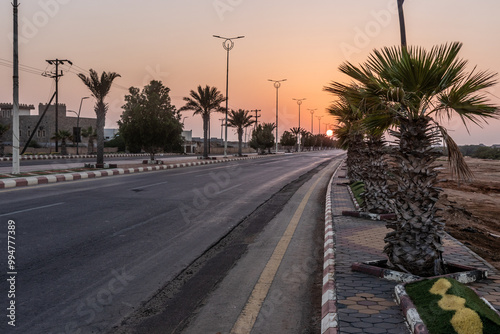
(402,27)
(56,76)
(15,104)
(256,117)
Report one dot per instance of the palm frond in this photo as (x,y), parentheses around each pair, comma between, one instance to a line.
(458,167)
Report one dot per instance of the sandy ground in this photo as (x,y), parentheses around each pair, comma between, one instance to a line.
(472,210)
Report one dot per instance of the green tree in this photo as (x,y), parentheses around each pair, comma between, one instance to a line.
(418,89)
(99,87)
(149,120)
(91,134)
(63,136)
(288,140)
(3,130)
(263,137)
(240,120)
(203,102)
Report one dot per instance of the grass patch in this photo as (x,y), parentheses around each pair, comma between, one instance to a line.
(357,189)
(447,306)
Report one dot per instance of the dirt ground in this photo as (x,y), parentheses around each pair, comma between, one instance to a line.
(472,210)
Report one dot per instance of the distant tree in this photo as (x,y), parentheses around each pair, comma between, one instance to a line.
(203,102)
(99,87)
(3,130)
(288,140)
(149,120)
(117,142)
(263,137)
(63,136)
(240,120)
(91,134)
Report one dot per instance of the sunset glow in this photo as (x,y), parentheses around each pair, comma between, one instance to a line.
(172,41)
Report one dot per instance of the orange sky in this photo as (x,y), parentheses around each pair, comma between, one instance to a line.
(172,41)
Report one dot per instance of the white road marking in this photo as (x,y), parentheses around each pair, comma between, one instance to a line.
(32,209)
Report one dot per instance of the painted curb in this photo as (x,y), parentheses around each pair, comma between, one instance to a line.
(80,156)
(46,179)
(329,317)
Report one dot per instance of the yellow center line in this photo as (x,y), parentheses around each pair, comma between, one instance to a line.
(248,316)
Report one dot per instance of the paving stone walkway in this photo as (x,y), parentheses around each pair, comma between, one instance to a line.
(365,303)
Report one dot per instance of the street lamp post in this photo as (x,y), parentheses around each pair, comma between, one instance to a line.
(78,123)
(319,123)
(277,85)
(228,44)
(402,23)
(312,118)
(299,102)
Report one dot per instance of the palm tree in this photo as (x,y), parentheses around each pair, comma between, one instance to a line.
(63,136)
(418,89)
(297,131)
(240,120)
(91,134)
(365,146)
(99,87)
(203,102)
(3,130)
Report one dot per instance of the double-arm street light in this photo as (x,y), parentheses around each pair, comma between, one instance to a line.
(312,119)
(299,102)
(228,44)
(277,85)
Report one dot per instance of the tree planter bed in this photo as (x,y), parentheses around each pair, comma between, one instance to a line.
(445,306)
(379,268)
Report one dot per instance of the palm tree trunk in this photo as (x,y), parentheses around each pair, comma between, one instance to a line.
(206,118)
(64,151)
(101,120)
(416,245)
(240,139)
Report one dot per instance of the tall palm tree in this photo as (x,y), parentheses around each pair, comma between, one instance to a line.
(63,136)
(99,87)
(365,146)
(203,102)
(419,89)
(91,134)
(240,120)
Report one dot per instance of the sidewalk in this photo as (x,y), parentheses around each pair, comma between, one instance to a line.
(359,303)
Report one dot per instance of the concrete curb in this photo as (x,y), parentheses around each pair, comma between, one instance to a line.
(329,317)
(46,179)
(84,156)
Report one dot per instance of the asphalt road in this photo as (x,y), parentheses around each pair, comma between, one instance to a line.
(89,252)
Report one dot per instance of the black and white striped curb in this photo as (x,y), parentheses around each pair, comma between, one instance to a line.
(80,156)
(329,317)
(46,179)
